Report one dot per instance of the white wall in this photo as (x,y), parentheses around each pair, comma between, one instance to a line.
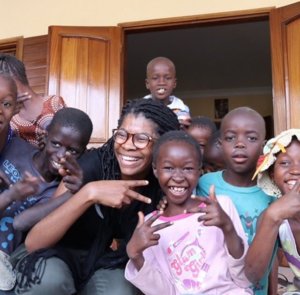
(32,17)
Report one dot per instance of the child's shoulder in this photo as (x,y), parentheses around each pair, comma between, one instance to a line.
(177,103)
(18,144)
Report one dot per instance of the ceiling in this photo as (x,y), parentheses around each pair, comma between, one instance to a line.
(208,58)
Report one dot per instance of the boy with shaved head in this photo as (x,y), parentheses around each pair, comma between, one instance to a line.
(242,139)
(161,81)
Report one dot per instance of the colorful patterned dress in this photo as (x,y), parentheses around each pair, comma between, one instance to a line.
(31,130)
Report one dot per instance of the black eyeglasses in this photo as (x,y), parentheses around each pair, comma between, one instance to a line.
(140,140)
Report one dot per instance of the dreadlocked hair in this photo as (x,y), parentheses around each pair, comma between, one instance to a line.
(9,64)
(163,117)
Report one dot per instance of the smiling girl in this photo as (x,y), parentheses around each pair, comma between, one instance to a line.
(279,175)
(192,253)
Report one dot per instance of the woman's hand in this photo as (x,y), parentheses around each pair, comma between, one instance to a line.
(115,193)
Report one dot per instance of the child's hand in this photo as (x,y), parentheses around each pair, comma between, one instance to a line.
(20,101)
(4,181)
(71,172)
(213,215)
(287,206)
(27,186)
(144,236)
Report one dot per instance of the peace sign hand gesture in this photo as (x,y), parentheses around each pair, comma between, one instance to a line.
(144,236)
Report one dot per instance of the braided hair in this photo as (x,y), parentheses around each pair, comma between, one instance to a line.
(9,64)
(12,85)
(163,117)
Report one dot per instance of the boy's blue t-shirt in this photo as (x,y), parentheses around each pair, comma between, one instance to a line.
(249,202)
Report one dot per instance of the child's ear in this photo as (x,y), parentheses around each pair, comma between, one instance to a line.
(200,171)
(147,83)
(175,83)
(154,170)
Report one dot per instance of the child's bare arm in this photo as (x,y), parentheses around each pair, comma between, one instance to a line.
(28,218)
(260,251)
(27,186)
(143,237)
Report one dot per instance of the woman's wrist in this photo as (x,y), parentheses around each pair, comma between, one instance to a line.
(88,191)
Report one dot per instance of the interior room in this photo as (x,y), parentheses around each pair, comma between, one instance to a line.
(227,63)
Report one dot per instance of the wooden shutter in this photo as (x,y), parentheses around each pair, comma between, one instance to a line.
(285,46)
(85,69)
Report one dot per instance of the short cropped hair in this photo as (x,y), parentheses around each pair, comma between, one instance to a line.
(76,119)
(203,122)
(176,136)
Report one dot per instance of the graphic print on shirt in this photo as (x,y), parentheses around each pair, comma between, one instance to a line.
(187,259)
(11,171)
(249,224)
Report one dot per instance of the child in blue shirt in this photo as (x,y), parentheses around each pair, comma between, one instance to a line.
(242,138)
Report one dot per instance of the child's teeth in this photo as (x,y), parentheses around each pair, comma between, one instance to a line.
(161,91)
(56,165)
(291,183)
(178,189)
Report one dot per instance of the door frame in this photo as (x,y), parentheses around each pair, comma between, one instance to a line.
(192,21)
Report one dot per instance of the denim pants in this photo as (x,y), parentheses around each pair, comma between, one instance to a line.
(57,279)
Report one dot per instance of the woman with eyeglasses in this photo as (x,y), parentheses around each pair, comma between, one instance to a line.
(119,182)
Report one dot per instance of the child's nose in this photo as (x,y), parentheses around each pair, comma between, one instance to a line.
(161,80)
(239,143)
(61,152)
(295,169)
(178,175)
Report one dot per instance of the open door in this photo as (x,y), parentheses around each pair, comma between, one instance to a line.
(85,69)
(285,45)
